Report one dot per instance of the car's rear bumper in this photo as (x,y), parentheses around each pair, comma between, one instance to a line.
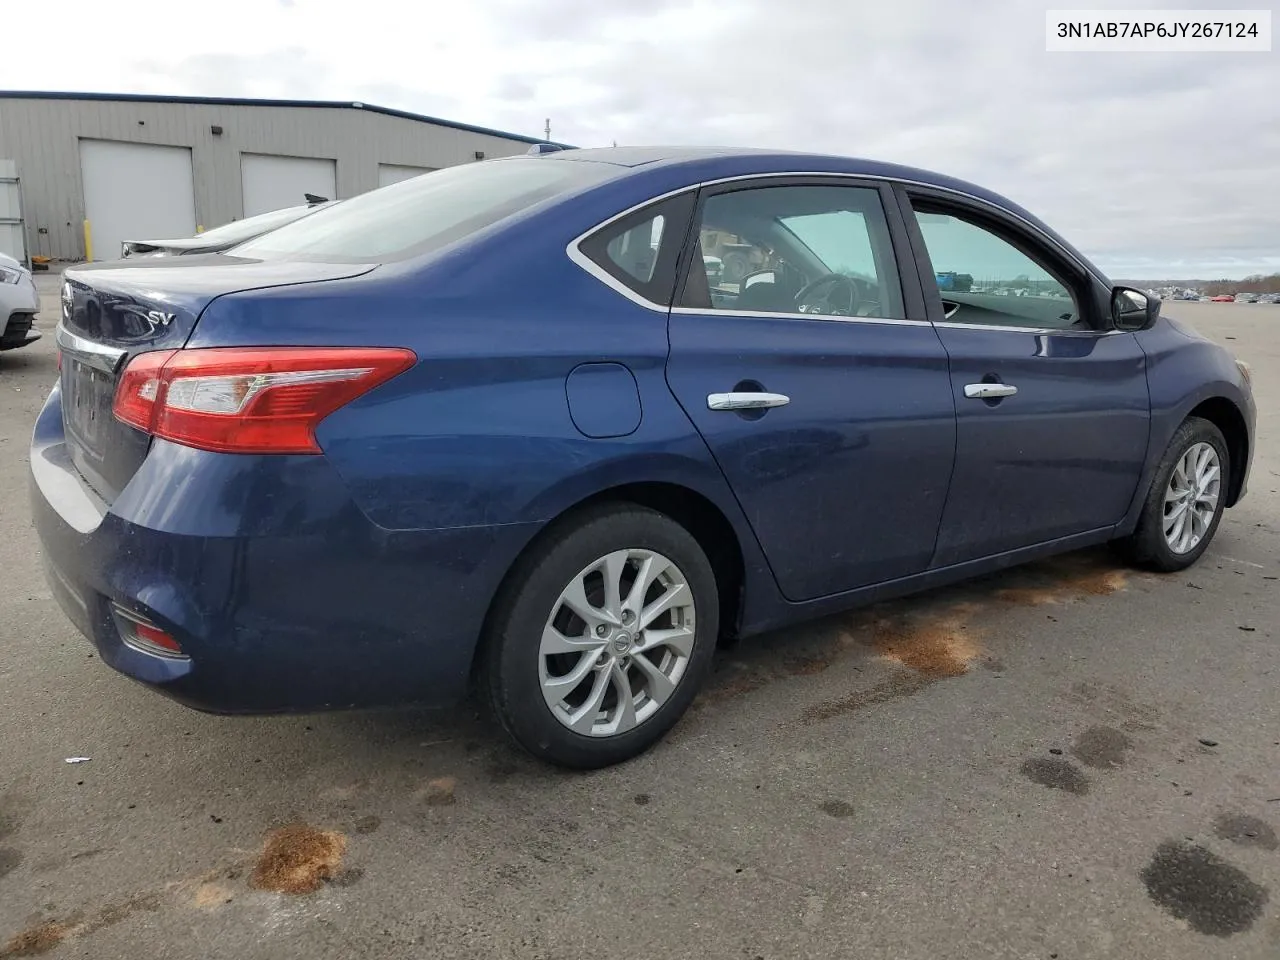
(283,594)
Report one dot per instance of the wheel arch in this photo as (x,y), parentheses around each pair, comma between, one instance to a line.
(705,521)
(1228,418)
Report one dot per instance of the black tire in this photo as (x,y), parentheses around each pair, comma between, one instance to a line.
(1147,546)
(510,668)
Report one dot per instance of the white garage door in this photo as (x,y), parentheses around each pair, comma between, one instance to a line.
(135,191)
(271,182)
(12,230)
(389,173)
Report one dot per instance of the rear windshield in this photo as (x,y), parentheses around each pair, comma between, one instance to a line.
(425,213)
(254,226)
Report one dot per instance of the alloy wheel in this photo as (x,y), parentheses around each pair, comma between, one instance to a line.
(617,642)
(1191,498)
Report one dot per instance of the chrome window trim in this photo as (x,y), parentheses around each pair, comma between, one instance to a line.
(577,256)
(1056,331)
(771,315)
(96,355)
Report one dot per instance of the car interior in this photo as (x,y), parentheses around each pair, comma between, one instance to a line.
(770,269)
(984,278)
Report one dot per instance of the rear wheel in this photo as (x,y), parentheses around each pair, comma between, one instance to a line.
(1186,500)
(602,638)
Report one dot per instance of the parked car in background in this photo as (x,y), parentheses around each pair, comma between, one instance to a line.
(224,237)
(470,426)
(1246,298)
(1222,298)
(19,304)
(950,280)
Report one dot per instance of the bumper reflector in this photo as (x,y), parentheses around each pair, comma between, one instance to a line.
(140,634)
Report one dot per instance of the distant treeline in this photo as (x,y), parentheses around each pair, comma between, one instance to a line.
(1254,284)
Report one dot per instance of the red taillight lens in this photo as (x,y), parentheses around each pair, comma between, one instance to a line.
(249,399)
(139,389)
(144,636)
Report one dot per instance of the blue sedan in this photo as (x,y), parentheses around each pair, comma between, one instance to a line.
(501,426)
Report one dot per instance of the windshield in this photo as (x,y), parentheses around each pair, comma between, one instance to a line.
(424,213)
(254,226)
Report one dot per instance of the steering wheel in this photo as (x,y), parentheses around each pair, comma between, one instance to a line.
(808,301)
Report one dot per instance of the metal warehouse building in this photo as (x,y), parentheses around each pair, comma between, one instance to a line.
(121,167)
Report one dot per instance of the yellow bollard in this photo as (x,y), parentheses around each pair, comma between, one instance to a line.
(88,241)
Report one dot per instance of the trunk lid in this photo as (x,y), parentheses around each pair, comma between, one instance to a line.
(111,312)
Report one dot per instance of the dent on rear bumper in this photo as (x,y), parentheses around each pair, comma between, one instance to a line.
(286,597)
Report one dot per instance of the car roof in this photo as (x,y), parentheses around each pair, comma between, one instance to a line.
(716,162)
(702,164)
(638,156)
(767,161)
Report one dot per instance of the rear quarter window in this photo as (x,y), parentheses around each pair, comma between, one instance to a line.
(640,252)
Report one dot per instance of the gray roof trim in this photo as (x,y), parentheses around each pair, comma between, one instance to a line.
(249,102)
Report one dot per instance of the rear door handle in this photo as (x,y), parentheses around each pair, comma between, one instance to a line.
(989,391)
(745,401)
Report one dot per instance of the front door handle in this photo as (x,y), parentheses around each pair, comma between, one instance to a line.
(989,391)
(745,401)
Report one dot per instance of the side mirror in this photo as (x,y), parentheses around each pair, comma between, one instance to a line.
(1133,310)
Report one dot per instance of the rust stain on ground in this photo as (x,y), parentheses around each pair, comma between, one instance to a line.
(113,913)
(736,687)
(935,647)
(931,645)
(48,935)
(33,941)
(809,666)
(810,661)
(298,859)
(1027,596)
(1095,583)
(1100,584)
(900,685)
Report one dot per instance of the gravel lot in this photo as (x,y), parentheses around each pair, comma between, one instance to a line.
(1071,760)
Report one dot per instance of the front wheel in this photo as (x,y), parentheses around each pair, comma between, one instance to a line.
(602,638)
(1184,506)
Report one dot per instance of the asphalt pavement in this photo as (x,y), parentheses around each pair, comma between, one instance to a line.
(1070,760)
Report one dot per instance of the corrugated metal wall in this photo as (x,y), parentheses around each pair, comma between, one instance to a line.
(43,136)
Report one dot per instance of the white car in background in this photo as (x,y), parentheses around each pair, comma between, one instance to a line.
(19,302)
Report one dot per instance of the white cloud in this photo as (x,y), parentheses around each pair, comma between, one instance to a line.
(1164,160)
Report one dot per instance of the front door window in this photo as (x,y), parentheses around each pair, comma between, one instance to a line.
(983,278)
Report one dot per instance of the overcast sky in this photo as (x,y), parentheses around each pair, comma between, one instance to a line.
(1154,164)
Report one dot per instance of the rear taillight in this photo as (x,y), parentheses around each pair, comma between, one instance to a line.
(249,399)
